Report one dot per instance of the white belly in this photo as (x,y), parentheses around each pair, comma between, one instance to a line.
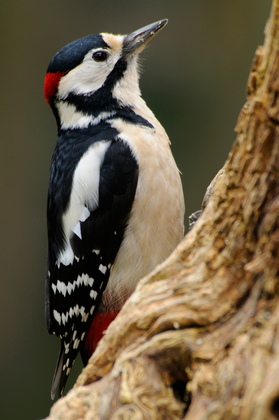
(156,223)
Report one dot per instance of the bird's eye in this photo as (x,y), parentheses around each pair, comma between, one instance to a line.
(100,55)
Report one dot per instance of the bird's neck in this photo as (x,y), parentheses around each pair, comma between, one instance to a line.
(70,117)
(79,112)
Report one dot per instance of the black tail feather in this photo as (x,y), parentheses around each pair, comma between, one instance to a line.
(64,365)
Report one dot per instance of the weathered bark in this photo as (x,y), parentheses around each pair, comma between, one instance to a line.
(199,339)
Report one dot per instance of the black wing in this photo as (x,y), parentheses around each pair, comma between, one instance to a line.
(74,291)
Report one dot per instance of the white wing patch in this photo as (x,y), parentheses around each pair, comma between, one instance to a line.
(85,214)
(85,190)
(77,230)
(66,257)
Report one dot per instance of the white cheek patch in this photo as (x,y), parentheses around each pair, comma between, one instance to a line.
(88,76)
(83,80)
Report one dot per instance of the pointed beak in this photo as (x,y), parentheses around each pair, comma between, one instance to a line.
(137,40)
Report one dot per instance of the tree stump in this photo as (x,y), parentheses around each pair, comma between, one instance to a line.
(199,338)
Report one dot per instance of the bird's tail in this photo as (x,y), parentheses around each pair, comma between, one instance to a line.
(63,368)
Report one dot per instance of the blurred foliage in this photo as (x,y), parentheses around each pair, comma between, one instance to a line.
(194,79)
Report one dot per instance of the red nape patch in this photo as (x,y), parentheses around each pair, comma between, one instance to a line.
(51,84)
(99,324)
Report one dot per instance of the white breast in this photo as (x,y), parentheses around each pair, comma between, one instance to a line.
(156,224)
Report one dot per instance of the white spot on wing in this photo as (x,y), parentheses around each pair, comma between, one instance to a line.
(93,294)
(84,317)
(70,287)
(61,287)
(103,268)
(57,316)
(65,318)
(76,343)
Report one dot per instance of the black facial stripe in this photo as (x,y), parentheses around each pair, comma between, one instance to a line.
(102,99)
(129,115)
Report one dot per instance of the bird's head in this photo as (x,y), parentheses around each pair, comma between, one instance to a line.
(91,74)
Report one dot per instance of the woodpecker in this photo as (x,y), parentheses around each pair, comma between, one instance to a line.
(115,202)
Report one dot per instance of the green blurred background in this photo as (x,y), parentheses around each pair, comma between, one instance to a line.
(194,80)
